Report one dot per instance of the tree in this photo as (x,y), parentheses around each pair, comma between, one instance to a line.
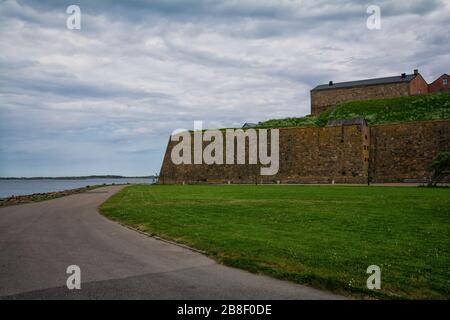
(440,167)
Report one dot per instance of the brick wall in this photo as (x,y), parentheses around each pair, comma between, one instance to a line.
(438,85)
(345,154)
(323,99)
(418,85)
(401,152)
(307,155)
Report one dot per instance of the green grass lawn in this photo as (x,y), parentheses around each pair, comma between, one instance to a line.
(378,111)
(325,236)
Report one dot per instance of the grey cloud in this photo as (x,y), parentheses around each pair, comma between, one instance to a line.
(139,69)
(75,89)
(245,8)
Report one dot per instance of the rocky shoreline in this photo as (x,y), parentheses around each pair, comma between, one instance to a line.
(44,196)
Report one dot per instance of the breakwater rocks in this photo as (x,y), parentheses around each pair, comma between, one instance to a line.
(43,196)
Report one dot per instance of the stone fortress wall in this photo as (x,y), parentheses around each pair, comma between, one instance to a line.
(401,152)
(340,154)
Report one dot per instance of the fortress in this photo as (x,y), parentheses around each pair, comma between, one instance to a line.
(345,151)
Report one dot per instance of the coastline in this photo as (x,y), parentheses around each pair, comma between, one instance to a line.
(36,197)
(28,187)
(79,177)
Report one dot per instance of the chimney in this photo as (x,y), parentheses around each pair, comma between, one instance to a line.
(403,75)
(330,83)
(416,72)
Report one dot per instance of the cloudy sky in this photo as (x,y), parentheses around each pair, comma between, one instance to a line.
(104,99)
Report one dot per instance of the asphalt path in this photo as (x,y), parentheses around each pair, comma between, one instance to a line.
(38,241)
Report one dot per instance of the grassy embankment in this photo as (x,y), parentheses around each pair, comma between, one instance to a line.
(395,110)
(324,236)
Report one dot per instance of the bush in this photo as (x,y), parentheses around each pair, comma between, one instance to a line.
(440,166)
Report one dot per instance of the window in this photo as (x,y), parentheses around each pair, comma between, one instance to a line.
(445,82)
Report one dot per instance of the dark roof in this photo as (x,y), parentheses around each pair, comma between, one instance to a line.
(367,82)
(346,122)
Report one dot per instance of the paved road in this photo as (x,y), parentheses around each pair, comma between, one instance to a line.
(39,241)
